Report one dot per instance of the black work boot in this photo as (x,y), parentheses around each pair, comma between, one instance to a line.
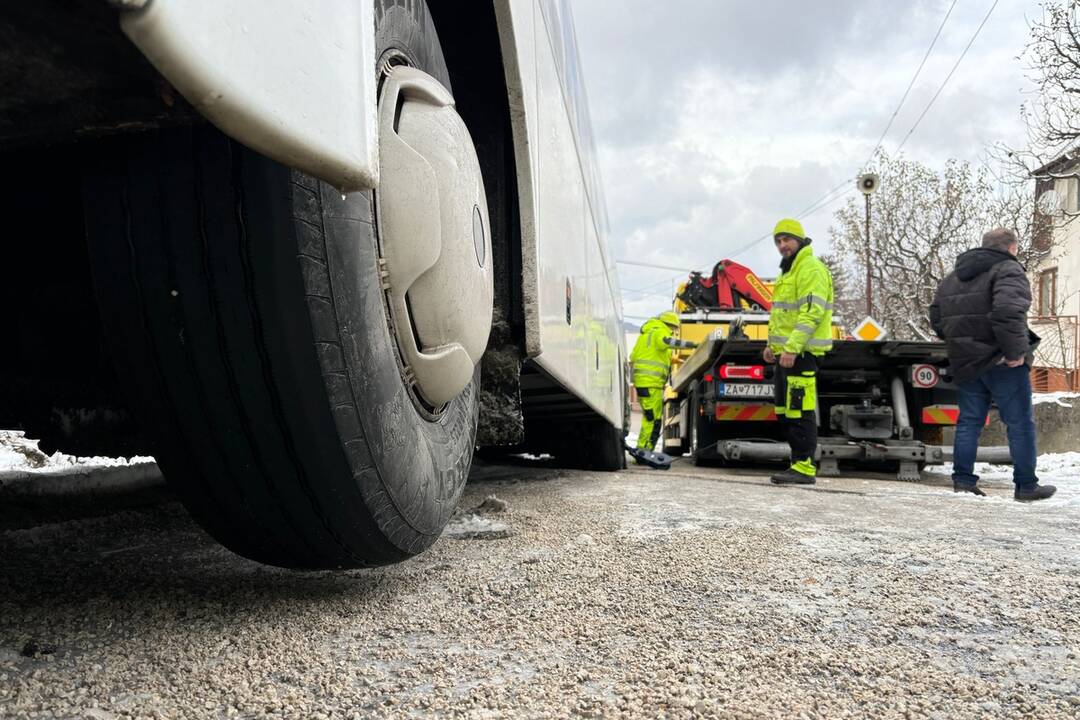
(792,477)
(961,488)
(1029,493)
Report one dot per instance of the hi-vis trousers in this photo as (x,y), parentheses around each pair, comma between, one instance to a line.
(652,412)
(796,405)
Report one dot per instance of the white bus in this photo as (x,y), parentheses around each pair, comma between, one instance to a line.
(310,255)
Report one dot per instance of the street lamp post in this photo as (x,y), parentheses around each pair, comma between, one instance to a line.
(867,184)
(869,276)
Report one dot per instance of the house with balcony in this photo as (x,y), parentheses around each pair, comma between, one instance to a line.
(1054,271)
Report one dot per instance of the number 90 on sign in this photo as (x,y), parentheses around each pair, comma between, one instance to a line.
(924,376)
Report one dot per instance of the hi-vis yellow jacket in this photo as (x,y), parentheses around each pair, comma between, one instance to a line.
(652,355)
(802,304)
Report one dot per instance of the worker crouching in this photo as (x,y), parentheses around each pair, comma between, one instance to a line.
(800,333)
(651,359)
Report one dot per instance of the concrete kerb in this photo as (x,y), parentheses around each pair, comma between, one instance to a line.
(1057,426)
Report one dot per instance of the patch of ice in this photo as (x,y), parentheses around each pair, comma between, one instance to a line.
(1058,398)
(476,527)
(20,453)
(532,457)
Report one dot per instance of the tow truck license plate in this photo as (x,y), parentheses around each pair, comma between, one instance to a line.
(744,390)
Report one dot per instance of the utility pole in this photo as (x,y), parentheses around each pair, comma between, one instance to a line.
(869,277)
(867,184)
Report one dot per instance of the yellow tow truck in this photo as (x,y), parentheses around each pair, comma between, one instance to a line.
(881,403)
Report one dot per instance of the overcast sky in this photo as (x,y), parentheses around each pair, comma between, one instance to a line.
(715,118)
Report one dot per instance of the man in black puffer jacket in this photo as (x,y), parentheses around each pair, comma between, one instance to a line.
(980,311)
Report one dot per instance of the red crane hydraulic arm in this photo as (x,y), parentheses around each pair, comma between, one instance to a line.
(730,285)
(735,282)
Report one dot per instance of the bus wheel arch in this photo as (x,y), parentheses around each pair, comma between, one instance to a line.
(469,35)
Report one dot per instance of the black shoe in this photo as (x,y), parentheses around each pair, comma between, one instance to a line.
(792,477)
(1034,492)
(957,487)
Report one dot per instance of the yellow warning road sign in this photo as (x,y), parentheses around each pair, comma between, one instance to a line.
(870,329)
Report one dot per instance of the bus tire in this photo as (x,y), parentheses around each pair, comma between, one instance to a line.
(610,450)
(243,307)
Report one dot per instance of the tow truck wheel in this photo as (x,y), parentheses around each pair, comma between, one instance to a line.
(692,424)
(304,363)
(700,431)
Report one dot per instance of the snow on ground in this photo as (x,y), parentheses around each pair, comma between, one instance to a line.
(1059,469)
(20,453)
(1058,398)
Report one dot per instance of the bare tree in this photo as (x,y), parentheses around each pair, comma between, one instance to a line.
(921,221)
(1052,116)
(850,305)
(1053,54)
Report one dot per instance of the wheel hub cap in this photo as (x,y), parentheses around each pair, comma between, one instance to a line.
(434,235)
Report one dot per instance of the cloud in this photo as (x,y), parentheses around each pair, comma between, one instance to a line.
(715,119)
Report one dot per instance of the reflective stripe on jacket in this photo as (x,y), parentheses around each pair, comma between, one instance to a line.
(802,304)
(652,355)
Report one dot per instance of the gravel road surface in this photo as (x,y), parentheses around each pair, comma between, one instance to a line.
(690,593)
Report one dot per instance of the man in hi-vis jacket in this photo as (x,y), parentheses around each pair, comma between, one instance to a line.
(651,358)
(800,333)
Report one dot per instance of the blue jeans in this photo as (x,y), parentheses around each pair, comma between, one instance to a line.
(1010,389)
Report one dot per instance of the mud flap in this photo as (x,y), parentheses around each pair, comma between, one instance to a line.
(655,460)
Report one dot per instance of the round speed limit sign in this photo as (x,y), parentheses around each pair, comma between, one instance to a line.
(924,376)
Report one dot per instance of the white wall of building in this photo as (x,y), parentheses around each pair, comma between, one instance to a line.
(1063,260)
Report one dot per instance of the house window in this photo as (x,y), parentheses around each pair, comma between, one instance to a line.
(1048,292)
(1069,190)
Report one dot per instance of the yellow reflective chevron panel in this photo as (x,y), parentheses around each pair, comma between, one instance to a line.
(742,412)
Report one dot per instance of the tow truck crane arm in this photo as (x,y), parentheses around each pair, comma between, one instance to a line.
(735,282)
(731,286)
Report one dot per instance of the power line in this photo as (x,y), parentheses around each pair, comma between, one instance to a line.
(666,281)
(830,196)
(949,76)
(827,199)
(644,292)
(650,265)
(835,193)
(829,192)
(911,84)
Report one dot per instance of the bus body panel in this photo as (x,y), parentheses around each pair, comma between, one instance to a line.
(295,81)
(571,298)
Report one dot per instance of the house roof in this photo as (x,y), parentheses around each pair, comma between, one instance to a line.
(1063,163)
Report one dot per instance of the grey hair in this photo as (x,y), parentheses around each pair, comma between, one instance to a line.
(999,239)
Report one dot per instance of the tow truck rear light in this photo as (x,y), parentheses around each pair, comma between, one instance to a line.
(741,372)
